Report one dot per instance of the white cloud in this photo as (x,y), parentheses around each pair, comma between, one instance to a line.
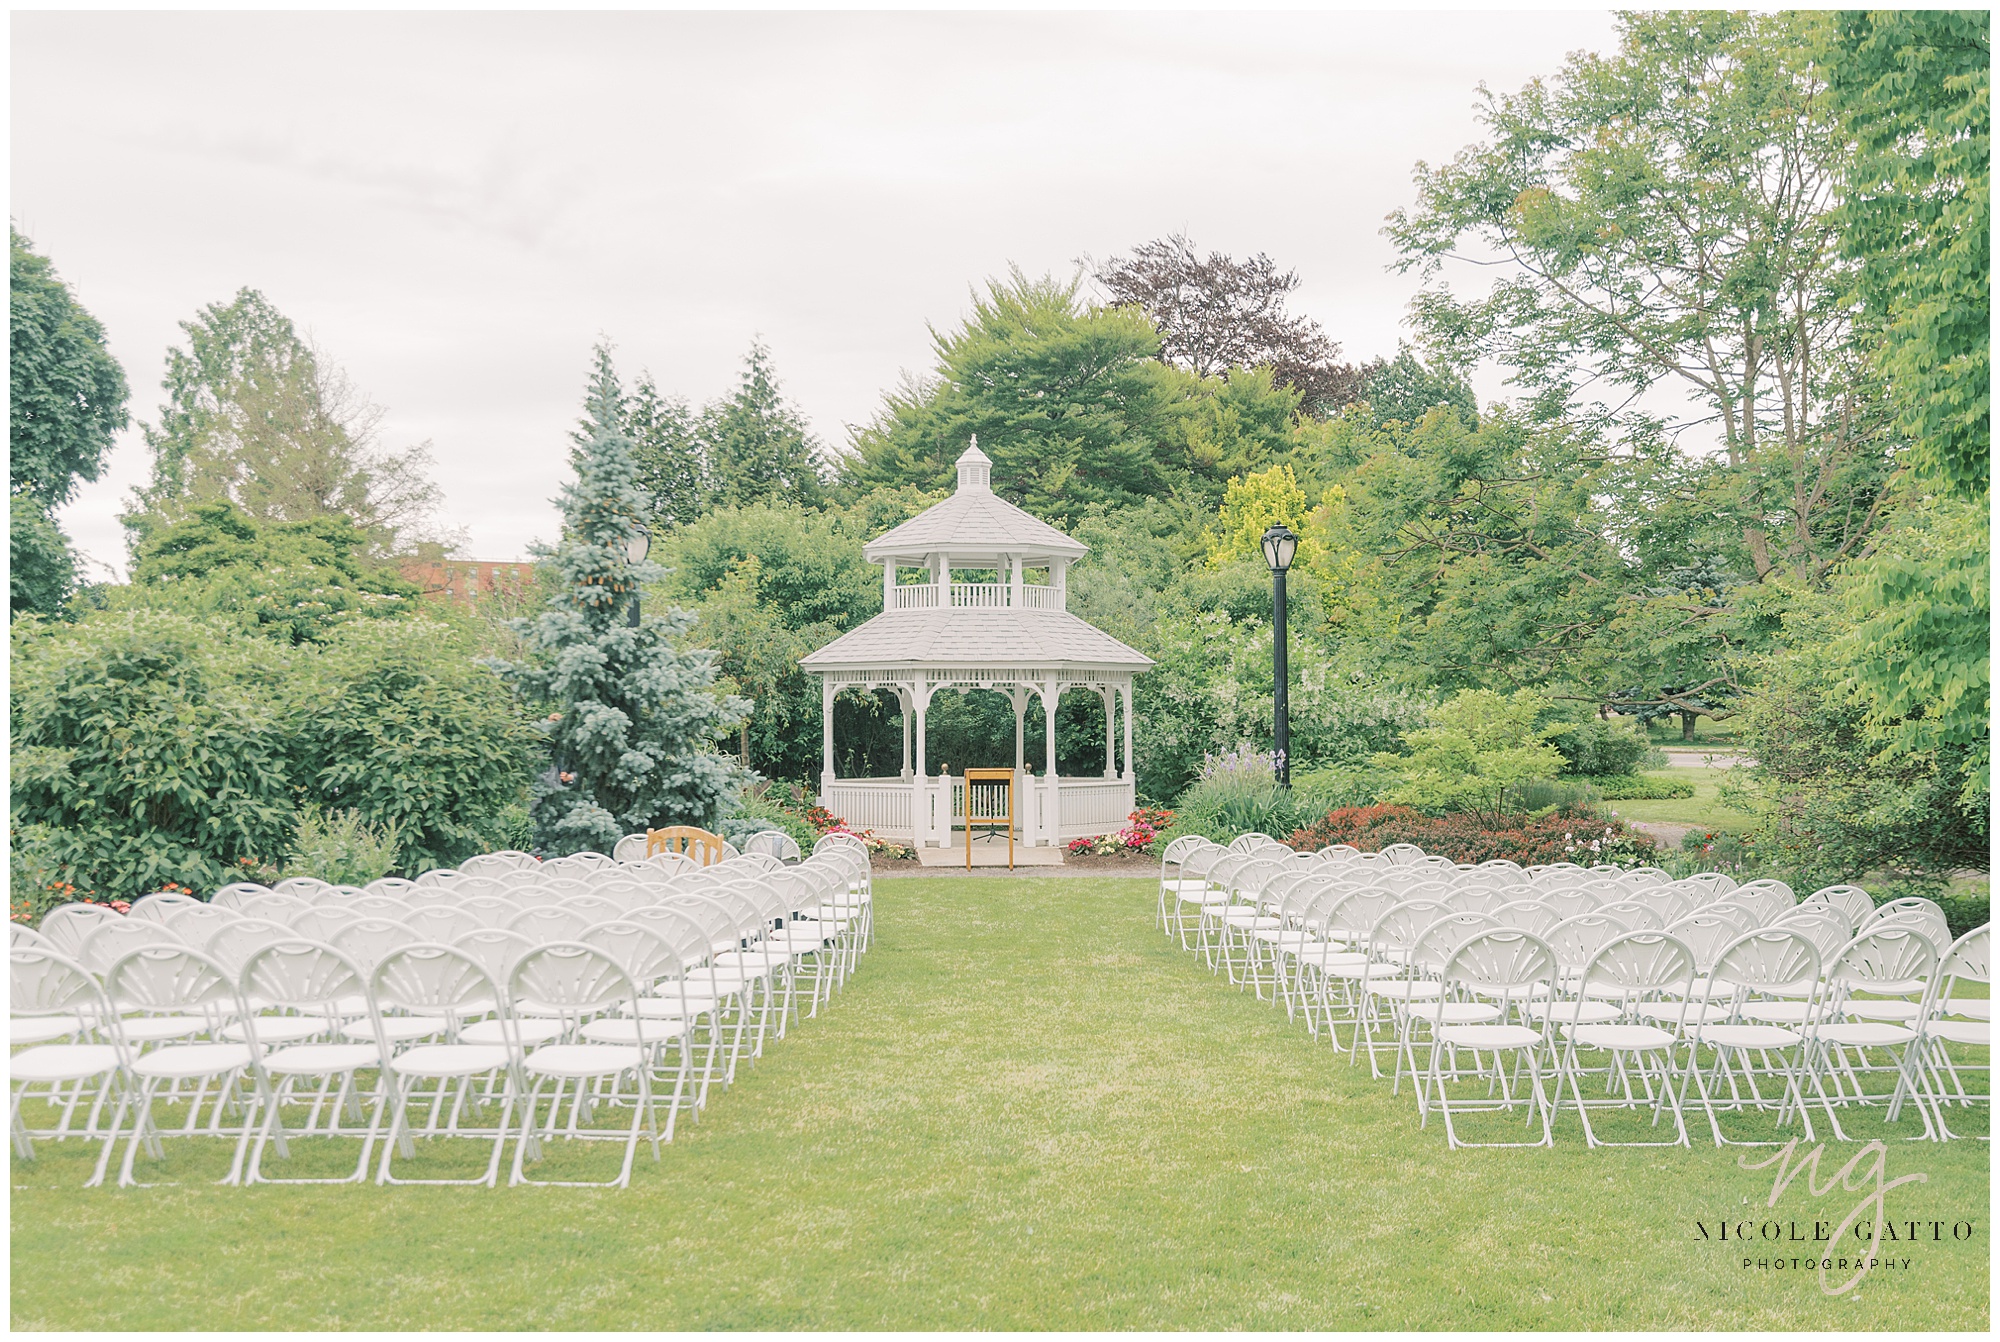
(456,205)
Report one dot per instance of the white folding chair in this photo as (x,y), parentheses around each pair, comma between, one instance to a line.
(1963,1023)
(300,979)
(1889,960)
(1631,969)
(1496,968)
(153,908)
(442,983)
(584,983)
(50,991)
(1777,964)
(178,981)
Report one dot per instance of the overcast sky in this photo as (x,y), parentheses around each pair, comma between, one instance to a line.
(455,206)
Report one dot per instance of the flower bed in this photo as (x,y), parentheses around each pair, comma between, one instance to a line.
(1583,839)
(1142,827)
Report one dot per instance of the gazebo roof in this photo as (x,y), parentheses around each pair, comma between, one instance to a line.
(974,523)
(974,638)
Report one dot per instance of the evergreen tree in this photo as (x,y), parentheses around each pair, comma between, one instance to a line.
(666,443)
(631,719)
(758,446)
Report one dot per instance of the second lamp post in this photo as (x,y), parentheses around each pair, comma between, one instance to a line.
(1280,544)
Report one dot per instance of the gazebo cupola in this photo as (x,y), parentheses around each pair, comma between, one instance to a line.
(974,597)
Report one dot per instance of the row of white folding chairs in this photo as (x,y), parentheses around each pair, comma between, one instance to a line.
(1382,936)
(615,1007)
(729,956)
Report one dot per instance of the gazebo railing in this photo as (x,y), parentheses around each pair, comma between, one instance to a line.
(978,595)
(1086,807)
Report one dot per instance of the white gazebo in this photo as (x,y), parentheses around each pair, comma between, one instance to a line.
(1014,636)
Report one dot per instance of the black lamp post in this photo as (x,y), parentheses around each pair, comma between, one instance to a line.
(635,552)
(1279,546)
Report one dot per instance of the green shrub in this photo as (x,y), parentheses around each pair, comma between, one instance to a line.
(399,724)
(758,808)
(1596,747)
(1642,787)
(150,748)
(341,848)
(1558,795)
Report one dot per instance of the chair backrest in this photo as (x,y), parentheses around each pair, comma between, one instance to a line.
(549,924)
(108,941)
(572,979)
(153,908)
(232,946)
(303,975)
(70,925)
(1851,900)
(19,934)
(274,907)
(488,911)
(1882,959)
(232,895)
(646,955)
(692,842)
(679,928)
(498,864)
(1706,935)
(534,897)
(396,887)
(42,981)
(494,948)
(426,979)
(1634,915)
(1499,962)
(1473,899)
(1824,926)
(1172,854)
(1644,876)
(1527,915)
(1969,958)
(1575,940)
(1742,915)
(381,906)
(1567,902)
(594,908)
(305,887)
(321,922)
(775,843)
(631,848)
(443,922)
(1432,950)
(1768,960)
(172,978)
(366,941)
(440,876)
(197,923)
(1912,911)
(442,896)
(1671,905)
(1637,965)
(1399,926)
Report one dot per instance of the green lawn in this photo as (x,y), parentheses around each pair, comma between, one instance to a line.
(1026,1112)
(1704,810)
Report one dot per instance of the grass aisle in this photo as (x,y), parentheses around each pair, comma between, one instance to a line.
(1025,1112)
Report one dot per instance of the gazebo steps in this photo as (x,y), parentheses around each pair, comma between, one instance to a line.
(986,853)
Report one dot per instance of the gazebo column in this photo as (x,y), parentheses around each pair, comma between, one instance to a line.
(1110,733)
(1018,697)
(920,814)
(1052,808)
(825,734)
(903,703)
(1125,690)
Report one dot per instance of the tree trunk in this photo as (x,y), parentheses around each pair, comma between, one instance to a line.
(1687,725)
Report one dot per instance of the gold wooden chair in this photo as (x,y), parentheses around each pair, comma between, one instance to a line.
(698,844)
(989,801)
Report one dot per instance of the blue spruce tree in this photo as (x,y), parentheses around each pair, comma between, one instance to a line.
(631,719)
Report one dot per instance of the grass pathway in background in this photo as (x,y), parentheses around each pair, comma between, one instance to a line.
(1027,1111)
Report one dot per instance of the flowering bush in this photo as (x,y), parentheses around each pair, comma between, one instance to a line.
(1142,827)
(1463,837)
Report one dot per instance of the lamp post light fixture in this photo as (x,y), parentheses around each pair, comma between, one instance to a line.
(1280,544)
(635,554)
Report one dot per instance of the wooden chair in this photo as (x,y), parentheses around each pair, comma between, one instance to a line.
(698,844)
(994,805)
